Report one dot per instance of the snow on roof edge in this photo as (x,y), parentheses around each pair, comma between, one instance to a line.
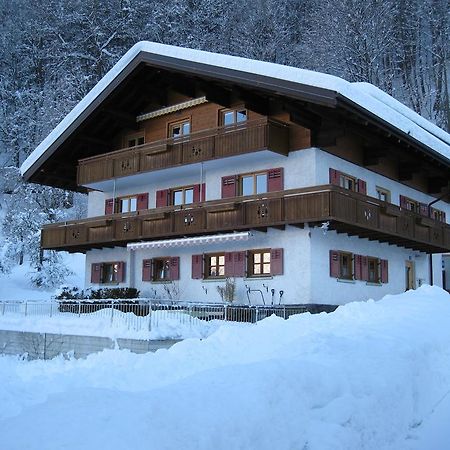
(392,111)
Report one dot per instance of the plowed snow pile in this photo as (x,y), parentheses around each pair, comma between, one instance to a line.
(373,375)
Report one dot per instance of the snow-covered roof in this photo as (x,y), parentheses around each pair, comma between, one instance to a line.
(366,96)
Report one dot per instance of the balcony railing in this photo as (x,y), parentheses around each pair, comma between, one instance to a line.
(214,143)
(346,211)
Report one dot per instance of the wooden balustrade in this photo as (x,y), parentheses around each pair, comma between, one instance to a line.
(202,146)
(346,211)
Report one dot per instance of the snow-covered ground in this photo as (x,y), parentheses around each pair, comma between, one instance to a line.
(372,375)
(16,285)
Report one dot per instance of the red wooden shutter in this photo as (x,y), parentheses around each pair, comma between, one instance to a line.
(276,261)
(142,201)
(362,187)
(120,271)
(240,263)
(275,179)
(229,186)
(197,267)
(335,177)
(199,192)
(147,270)
(334,264)
(357,260)
(174,268)
(96,272)
(162,198)
(364,268)
(109,206)
(403,202)
(384,271)
(229,264)
(423,208)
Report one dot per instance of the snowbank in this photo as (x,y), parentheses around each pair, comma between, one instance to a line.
(372,375)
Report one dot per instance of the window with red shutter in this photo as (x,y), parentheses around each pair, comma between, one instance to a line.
(275,179)
(229,186)
(364,268)
(229,264)
(362,187)
(175,268)
(358,267)
(96,273)
(423,209)
(197,266)
(384,271)
(334,264)
(335,177)
(199,193)
(120,272)
(162,198)
(147,270)
(240,263)
(276,261)
(142,201)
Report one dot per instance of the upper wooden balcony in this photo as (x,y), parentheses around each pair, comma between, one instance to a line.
(346,211)
(214,143)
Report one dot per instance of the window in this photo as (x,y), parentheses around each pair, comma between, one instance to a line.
(439,215)
(232,116)
(373,270)
(215,265)
(259,262)
(127,204)
(179,129)
(383,194)
(253,183)
(161,269)
(412,205)
(347,182)
(183,196)
(345,266)
(133,141)
(107,273)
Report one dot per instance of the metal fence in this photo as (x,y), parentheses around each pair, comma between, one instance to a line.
(146,315)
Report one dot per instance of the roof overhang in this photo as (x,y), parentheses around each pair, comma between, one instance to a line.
(268,78)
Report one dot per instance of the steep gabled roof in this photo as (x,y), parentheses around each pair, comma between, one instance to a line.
(275,78)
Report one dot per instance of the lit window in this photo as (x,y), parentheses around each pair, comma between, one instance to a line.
(179,129)
(259,262)
(215,265)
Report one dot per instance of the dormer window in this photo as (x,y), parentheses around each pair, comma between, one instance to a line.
(232,116)
(179,129)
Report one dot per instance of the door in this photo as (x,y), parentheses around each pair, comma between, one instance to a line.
(410,276)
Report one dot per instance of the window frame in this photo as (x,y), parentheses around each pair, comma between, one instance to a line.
(207,266)
(165,261)
(255,174)
(118,204)
(343,177)
(183,189)
(438,214)
(251,263)
(115,271)
(411,202)
(179,123)
(235,111)
(377,270)
(383,191)
(350,265)
(135,137)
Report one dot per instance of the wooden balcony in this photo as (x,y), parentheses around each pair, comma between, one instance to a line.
(202,146)
(347,212)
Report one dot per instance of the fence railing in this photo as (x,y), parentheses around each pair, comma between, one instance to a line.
(148,315)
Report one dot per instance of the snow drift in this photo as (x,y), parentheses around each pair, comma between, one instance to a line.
(372,375)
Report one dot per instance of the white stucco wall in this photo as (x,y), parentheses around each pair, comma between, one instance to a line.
(295,281)
(306,258)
